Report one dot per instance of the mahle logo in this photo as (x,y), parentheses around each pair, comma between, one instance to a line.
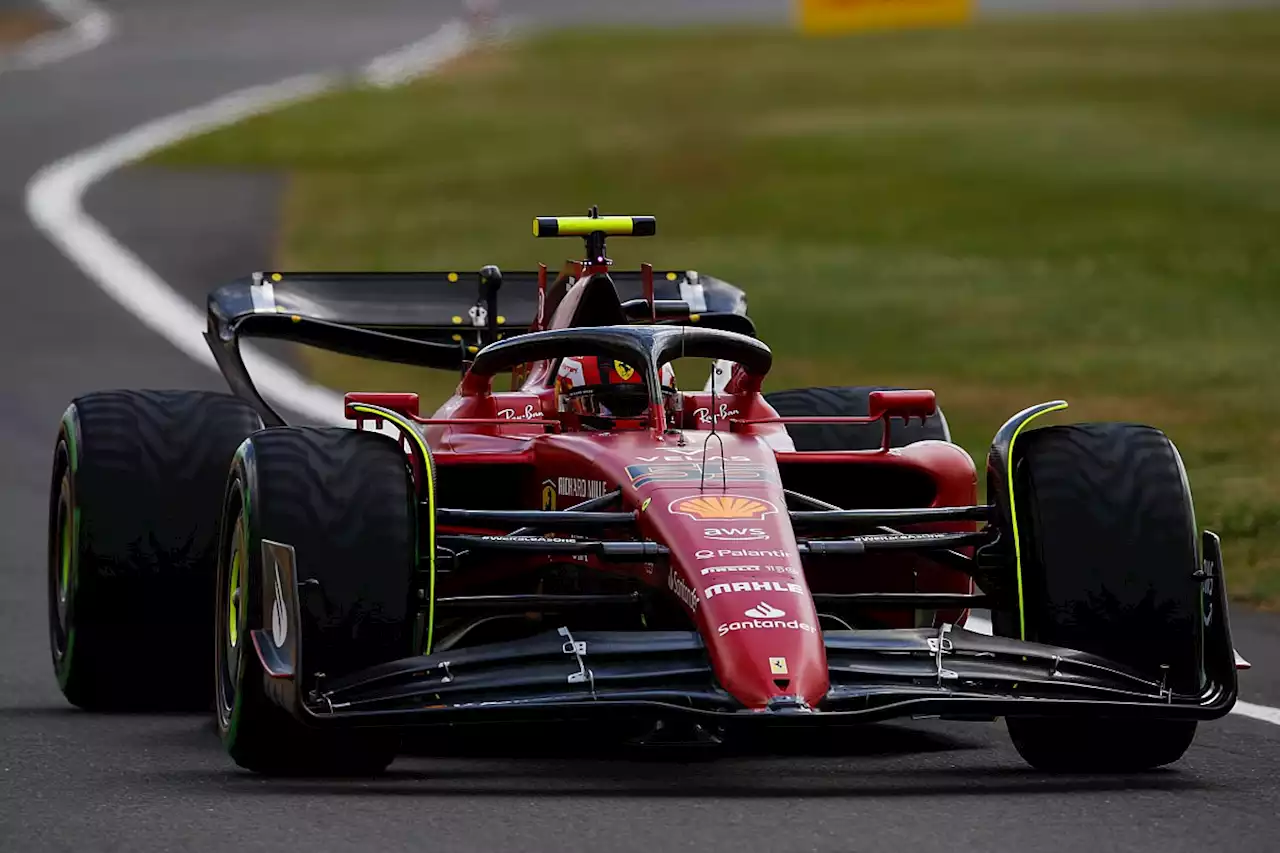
(720,507)
(753,586)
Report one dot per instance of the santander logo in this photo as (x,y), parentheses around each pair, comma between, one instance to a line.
(764,611)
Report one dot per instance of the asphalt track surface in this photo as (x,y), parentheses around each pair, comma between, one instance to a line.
(71,780)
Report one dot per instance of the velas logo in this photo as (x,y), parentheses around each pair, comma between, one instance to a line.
(713,457)
(735,534)
(695,473)
(764,611)
(716,507)
(678,454)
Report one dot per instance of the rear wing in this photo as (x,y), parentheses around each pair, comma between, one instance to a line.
(427,319)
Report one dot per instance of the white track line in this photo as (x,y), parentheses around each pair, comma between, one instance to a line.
(55,204)
(1257,712)
(419,58)
(87,26)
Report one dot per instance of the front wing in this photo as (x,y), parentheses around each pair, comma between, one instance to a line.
(875,674)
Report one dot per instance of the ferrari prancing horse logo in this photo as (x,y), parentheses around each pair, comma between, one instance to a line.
(624,371)
(279,579)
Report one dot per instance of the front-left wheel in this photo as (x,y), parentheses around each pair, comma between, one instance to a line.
(133,521)
(1109,562)
(340,505)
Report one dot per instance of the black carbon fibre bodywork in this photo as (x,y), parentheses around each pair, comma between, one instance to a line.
(427,319)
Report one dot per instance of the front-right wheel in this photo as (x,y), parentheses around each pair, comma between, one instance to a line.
(340,505)
(1107,535)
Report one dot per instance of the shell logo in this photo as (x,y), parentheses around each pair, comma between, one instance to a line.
(708,507)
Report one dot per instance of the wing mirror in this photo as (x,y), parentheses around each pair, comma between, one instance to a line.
(902,404)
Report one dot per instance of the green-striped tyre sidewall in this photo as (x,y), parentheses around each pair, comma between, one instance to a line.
(293,485)
(64,540)
(234,558)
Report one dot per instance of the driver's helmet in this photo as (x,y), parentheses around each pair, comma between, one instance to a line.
(602,390)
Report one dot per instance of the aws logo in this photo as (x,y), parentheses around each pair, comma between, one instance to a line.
(735,534)
(722,507)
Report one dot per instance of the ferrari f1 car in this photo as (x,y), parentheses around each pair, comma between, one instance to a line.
(594,545)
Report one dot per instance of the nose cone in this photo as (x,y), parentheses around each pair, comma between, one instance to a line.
(734,560)
(718,507)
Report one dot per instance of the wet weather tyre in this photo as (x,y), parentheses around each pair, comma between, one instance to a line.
(137,485)
(1108,542)
(344,502)
(847,403)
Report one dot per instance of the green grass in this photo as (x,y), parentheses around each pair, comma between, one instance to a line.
(1011,212)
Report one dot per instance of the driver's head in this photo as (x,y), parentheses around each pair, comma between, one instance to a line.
(603,390)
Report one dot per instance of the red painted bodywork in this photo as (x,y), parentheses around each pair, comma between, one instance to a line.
(759,623)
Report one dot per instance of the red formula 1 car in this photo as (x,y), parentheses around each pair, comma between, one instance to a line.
(596,544)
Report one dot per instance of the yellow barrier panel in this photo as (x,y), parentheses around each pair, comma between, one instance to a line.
(835,16)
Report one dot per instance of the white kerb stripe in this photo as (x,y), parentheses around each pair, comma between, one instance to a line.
(87,26)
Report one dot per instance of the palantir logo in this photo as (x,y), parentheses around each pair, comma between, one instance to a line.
(764,611)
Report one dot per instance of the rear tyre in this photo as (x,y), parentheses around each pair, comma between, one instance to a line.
(1108,541)
(856,402)
(852,402)
(133,522)
(344,501)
